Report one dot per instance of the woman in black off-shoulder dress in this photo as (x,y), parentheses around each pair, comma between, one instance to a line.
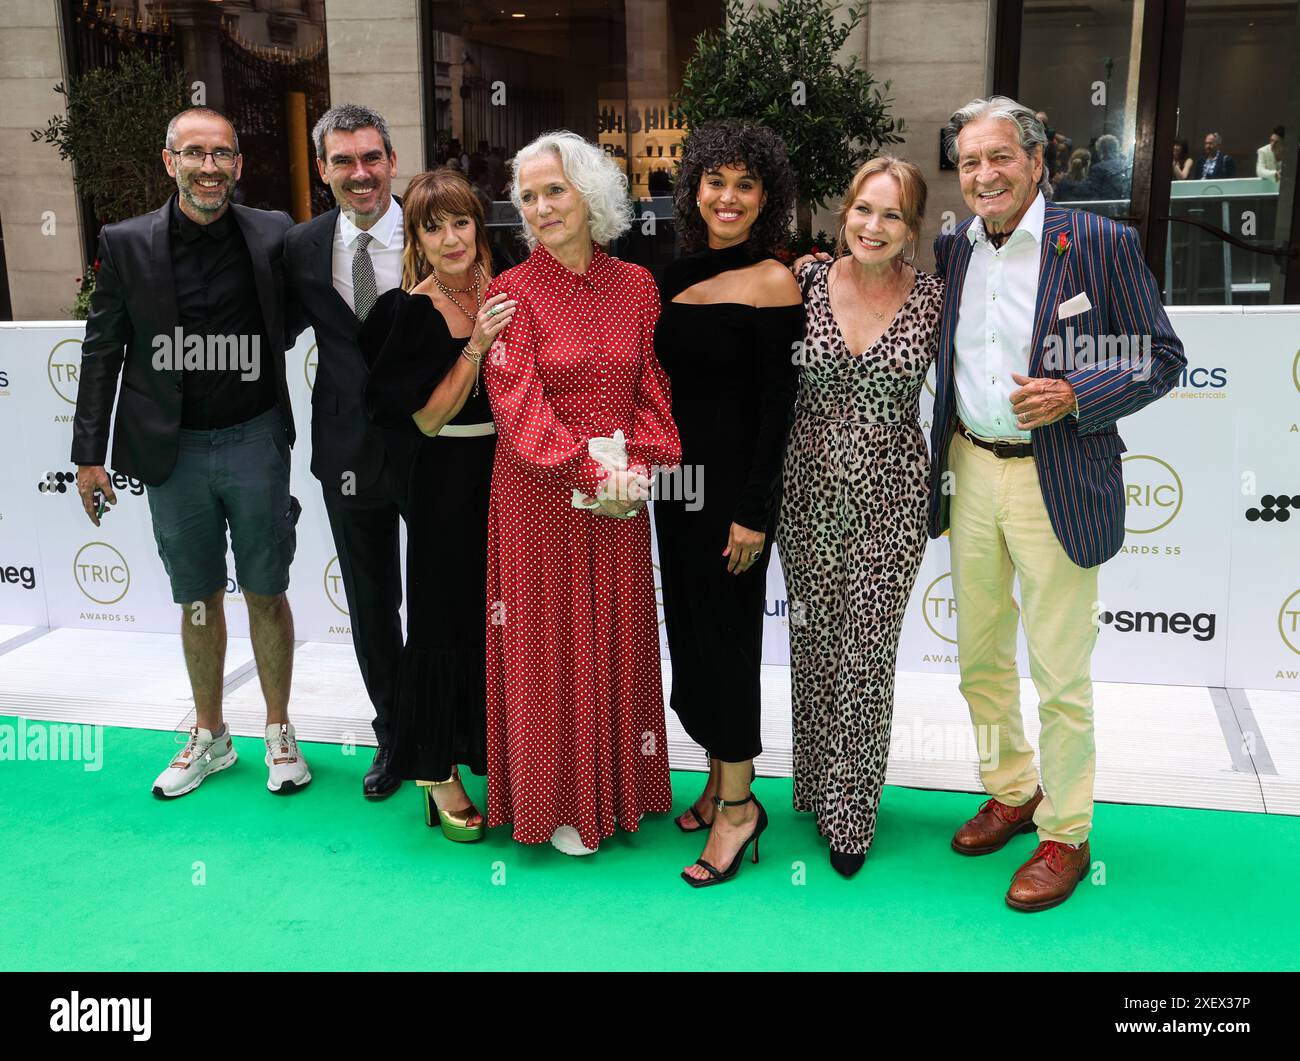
(728,334)
(423,343)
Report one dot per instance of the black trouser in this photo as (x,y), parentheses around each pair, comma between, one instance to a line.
(366,535)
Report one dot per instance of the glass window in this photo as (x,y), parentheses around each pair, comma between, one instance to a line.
(1234,160)
(1079,69)
(607,71)
(265,65)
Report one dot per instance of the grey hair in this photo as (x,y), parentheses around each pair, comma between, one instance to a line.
(1029,128)
(1107,146)
(1217,138)
(596,176)
(209,112)
(348,118)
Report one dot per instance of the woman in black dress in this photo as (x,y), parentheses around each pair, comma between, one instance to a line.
(728,334)
(424,343)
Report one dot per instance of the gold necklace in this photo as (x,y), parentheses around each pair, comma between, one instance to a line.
(451,292)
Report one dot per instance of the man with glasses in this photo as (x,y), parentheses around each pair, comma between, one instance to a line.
(338,265)
(189,309)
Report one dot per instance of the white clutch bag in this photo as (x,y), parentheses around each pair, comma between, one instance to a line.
(611,453)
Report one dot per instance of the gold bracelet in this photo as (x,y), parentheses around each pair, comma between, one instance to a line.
(476,362)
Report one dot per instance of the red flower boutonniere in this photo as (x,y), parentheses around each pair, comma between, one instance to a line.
(1062,244)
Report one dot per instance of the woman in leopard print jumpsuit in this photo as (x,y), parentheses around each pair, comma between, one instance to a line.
(852,526)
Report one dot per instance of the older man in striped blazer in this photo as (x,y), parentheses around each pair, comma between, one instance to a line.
(1052,330)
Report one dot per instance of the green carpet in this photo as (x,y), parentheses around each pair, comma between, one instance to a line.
(97,874)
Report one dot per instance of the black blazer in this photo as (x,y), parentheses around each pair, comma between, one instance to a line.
(1227,167)
(135,300)
(343,439)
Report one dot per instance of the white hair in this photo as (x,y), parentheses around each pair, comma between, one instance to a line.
(1029,129)
(596,176)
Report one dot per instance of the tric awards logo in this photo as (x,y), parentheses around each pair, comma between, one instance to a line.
(1153,494)
(63,366)
(309,367)
(1288,622)
(939,609)
(334,586)
(101,573)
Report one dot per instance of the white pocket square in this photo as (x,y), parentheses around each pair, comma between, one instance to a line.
(1072,307)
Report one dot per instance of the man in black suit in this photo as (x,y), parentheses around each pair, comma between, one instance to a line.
(1215,165)
(338,264)
(189,309)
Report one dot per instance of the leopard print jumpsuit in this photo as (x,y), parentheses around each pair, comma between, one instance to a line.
(851,535)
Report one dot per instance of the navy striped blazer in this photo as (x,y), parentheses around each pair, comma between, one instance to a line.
(1078,459)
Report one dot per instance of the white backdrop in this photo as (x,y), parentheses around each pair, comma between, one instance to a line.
(1205,592)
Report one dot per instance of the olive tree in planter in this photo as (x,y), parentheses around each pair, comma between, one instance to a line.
(776,65)
(112,132)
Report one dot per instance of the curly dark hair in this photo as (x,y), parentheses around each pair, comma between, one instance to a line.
(733,143)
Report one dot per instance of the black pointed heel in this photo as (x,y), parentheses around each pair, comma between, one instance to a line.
(845,864)
(716,876)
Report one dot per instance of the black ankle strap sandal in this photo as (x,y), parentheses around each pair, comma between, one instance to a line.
(716,876)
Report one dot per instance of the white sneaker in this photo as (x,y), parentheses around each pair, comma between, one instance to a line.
(288,769)
(566,839)
(202,755)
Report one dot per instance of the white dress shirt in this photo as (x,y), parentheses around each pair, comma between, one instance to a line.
(995,324)
(385,252)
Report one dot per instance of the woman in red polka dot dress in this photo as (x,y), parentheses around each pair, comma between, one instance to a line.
(576,741)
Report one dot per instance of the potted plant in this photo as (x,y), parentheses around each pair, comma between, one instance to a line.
(776,66)
(111,131)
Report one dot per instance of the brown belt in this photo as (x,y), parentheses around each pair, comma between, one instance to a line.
(1002,449)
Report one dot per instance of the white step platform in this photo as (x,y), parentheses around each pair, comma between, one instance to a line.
(1179,746)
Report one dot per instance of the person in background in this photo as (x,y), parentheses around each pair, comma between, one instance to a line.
(1108,175)
(730,323)
(1183,161)
(1268,159)
(1073,183)
(1056,153)
(211,443)
(1215,165)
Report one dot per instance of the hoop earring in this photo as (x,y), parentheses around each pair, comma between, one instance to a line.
(840,240)
(909,261)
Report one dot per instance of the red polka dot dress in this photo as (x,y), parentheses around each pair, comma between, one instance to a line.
(575,713)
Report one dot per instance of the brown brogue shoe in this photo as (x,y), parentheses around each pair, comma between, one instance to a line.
(994,825)
(1049,877)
